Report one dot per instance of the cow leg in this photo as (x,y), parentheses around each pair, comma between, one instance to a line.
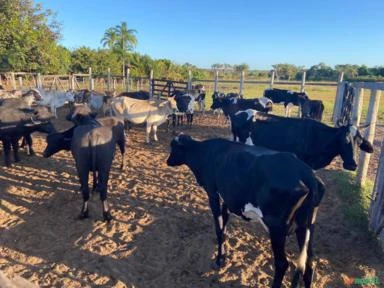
(147,132)
(220,222)
(28,139)
(121,144)
(83,176)
(304,239)
(7,152)
(154,129)
(15,147)
(278,235)
(103,186)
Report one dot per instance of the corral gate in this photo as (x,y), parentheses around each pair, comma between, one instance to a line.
(164,88)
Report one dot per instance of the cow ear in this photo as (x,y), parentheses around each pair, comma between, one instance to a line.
(366,146)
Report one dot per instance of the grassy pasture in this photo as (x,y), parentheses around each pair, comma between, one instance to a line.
(325,93)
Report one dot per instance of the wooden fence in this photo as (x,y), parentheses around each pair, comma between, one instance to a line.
(107,82)
(376,211)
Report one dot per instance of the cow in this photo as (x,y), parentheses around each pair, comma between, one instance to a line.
(152,112)
(142,95)
(232,105)
(62,140)
(96,101)
(16,123)
(313,142)
(93,148)
(255,183)
(312,109)
(200,98)
(185,103)
(286,97)
(54,99)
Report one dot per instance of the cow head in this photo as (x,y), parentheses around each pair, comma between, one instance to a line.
(179,145)
(79,113)
(350,138)
(217,103)
(58,141)
(241,124)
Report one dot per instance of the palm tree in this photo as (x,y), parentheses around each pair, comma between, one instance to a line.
(120,40)
(109,39)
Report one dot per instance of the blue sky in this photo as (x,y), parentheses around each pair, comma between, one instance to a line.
(259,33)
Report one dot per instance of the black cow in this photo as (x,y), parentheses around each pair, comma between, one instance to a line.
(313,142)
(312,109)
(16,123)
(93,148)
(141,95)
(62,140)
(255,183)
(232,105)
(285,97)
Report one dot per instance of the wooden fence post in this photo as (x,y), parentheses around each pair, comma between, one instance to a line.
(109,80)
(151,83)
(20,79)
(272,79)
(357,106)
(376,210)
(302,88)
(338,98)
(216,86)
(114,84)
(13,81)
(39,81)
(241,83)
(369,135)
(127,79)
(189,80)
(91,84)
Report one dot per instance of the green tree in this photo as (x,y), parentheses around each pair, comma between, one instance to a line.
(120,39)
(285,71)
(28,37)
(241,67)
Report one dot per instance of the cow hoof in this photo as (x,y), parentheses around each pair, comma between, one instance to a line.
(31,153)
(17,160)
(295,279)
(84,215)
(107,216)
(219,263)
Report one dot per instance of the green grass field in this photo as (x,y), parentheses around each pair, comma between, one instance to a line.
(325,93)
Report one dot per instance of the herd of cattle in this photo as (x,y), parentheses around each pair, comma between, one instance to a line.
(271,180)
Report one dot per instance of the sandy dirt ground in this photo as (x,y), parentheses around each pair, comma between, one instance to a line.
(162,234)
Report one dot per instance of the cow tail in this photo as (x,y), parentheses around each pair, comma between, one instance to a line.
(92,146)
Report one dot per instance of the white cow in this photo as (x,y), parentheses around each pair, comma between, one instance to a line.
(54,99)
(152,112)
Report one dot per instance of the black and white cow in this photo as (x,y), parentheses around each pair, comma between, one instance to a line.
(286,97)
(185,103)
(255,183)
(313,142)
(232,105)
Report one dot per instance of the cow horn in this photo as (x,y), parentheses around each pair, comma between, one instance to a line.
(364,126)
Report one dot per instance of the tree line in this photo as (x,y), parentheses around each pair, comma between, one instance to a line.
(29,42)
